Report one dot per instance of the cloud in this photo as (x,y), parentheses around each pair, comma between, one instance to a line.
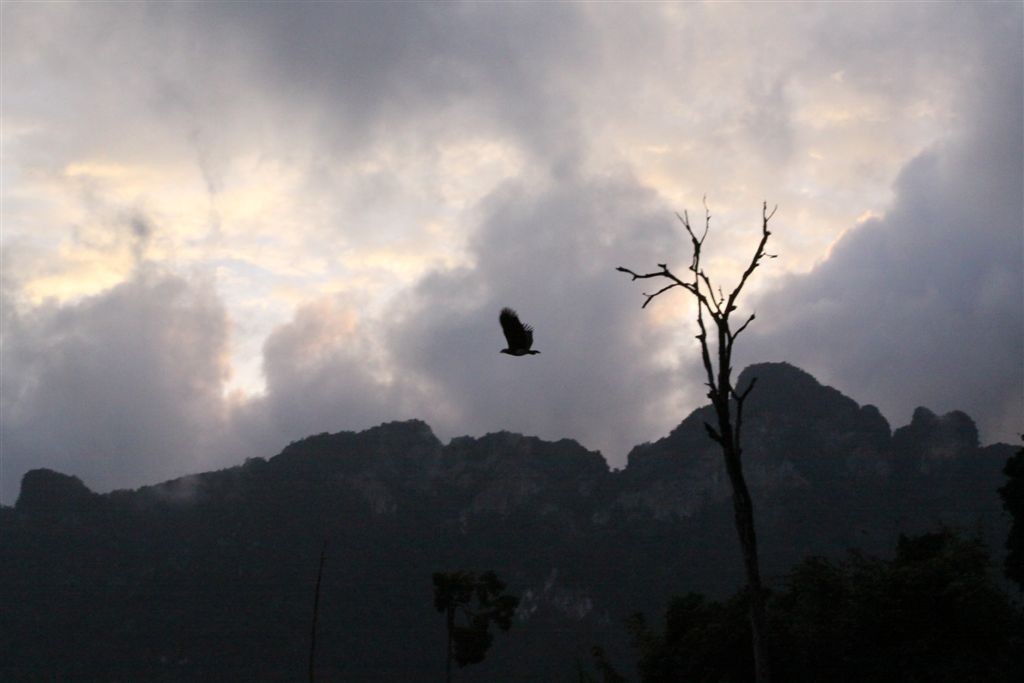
(365,185)
(549,250)
(121,388)
(923,305)
(547,247)
(214,74)
(325,371)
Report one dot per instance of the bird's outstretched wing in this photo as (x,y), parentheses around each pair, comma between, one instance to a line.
(518,335)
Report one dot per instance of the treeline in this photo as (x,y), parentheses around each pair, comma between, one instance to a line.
(934,612)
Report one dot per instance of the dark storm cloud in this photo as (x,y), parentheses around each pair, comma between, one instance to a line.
(549,251)
(925,306)
(324,372)
(124,388)
(548,248)
(308,82)
(920,307)
(362,68)
(356,73)
(120,389)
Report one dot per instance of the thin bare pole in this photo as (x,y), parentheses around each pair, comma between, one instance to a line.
(451,629)
(316,611)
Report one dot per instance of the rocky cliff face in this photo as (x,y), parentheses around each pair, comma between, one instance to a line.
(796,433)
(45,493)
(159,576)
(930,440)
(503,473)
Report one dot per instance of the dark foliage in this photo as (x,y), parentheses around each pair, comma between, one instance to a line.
(470,603)
(933,613)
(605,670)
(1013,500)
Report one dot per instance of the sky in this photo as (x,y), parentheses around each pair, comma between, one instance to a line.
(229,226)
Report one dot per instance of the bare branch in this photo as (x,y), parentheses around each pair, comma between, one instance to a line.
(715,305)
(707,220)
(704,355)
(750,387)
(697,242)
(758,255)
(685,220)
(702,303)
(715,436)
(717,311)
(637,276)
(669,275)
(732,336)
(739,411)
(664,272)
(660,291)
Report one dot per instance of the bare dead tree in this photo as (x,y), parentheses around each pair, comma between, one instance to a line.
(727,401)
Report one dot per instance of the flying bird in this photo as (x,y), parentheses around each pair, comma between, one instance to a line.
(518,335)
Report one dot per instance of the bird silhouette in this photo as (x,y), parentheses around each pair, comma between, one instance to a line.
(518,335)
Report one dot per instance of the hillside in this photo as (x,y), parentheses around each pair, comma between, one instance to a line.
(210,577)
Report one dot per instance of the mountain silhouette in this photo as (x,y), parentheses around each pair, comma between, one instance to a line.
(210,576)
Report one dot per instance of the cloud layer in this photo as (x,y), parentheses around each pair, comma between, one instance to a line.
(121,388)
(227,226)
(925,305)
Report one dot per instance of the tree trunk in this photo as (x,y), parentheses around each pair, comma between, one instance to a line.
(744,515)
(743,506)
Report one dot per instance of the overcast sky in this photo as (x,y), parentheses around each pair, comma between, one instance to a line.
(229,226)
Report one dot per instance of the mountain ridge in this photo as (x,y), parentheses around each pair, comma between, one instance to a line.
(150,580)
(402,442)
